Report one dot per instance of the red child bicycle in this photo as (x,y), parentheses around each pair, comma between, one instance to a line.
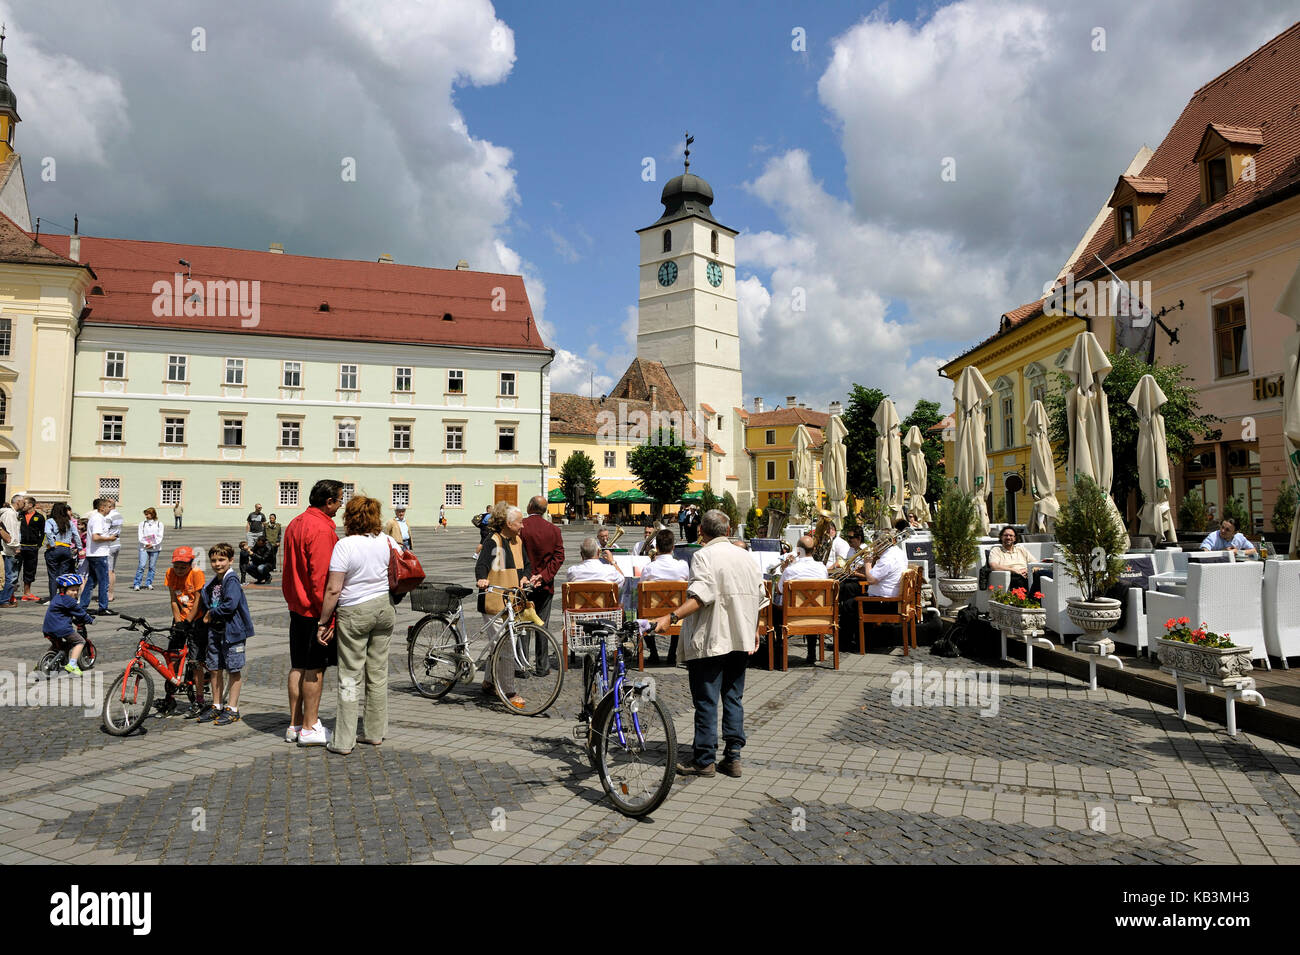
(126,705)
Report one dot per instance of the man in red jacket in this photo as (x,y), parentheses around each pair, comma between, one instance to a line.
(308,544)
(545,549)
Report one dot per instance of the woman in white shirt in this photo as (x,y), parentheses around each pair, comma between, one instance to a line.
(150,535)
(358,588)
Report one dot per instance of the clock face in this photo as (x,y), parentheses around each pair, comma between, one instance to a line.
(714,272)
(667,274)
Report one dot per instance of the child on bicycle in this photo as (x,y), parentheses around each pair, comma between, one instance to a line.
(230,624)
(184,587)
(62,614)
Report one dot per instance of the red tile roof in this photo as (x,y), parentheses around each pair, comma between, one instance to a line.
(707,409)
(781,417)
(367,301)
(1146,185)
(18,247)
(640,377)
(1255,102)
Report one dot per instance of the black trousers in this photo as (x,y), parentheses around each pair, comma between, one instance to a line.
(778,617)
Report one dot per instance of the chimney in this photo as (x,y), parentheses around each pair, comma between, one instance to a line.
(277,248)
(836,408)
(386,258)
(74,242)
(758,406)
(789,401)
(654,397)
(462,266)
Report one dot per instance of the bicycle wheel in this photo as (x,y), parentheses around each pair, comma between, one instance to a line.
(432,657)
(49,662)
(128,700)
(533,659)
(190,691)
(590,699)
(637,748)
(87,659)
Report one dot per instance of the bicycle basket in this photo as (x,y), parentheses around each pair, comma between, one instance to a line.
(438,598)
(582,642)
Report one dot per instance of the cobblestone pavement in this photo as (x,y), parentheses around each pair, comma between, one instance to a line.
(833,771)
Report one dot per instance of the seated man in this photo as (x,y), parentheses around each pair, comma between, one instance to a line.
(1227,538)
(593,569)
(602,538)
(803,567)
(664,567)
(840,551)
(885,577)
(641,546)
(1011,556)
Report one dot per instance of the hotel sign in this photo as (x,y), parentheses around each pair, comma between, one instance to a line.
(1266,389)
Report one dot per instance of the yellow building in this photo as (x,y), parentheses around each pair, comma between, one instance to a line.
(607,429)
(769,442)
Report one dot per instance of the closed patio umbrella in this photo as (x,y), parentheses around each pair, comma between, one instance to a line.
(1042,472)
(1153,460)
(889,462)
(1289,305)
(972,466)
(803,467)
(835,468)
(917,476)
(1088,414)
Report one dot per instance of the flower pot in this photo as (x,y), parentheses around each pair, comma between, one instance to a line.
(1017,620)
(959,590)
(1215,666)
(1093,617)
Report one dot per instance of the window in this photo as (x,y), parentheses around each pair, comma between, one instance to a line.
(769,437)
(1216,178)
(507,384)
(1230,339)
(1127,224)
(455,437)
(346,494)
(505,438)
(988,426)
(455,382)
(551,458)
(789,466)
(173,430)
(4,407)
(401,495)
(719,422)
(609,459)
(232,432)
(169,494)
(232,493)
(111,488)
(347,436)
(288,496)
(401,437)
(114,363)
(290,434)
(1008,422)
(177,368)
(347,377)
(451,495)
(111,428)
(771,470)
(6,336)
(713,242)
(668,240)
(402,379)
(234,371)
(293,374)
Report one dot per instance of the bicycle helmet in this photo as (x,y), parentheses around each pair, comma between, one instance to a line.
(182,554)
(68,580)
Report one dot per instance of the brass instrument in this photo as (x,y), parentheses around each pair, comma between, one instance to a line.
(823,534)
(869,554)
(618,532)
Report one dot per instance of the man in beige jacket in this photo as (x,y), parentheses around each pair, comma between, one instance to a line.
(719,633)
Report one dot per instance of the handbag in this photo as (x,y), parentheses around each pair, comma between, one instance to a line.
(494,602)
(404,570)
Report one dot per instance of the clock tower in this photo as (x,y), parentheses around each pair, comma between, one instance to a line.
(687,319)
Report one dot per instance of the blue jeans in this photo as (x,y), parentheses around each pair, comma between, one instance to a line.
(11,579)
(99,578)
(59,561)
(710,678)
(149,559)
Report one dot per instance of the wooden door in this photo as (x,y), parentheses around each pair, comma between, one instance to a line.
(506,492)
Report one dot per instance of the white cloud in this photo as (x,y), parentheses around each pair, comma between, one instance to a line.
(573,374)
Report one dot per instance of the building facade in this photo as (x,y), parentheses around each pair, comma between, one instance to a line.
(769,445)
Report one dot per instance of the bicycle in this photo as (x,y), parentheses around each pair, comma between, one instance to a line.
(127,703)
(629,736)
(437,653)
(56,658)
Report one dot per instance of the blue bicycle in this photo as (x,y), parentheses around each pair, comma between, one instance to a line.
(629,736)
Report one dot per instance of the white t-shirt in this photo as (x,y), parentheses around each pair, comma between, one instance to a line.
(801,568)
(839,551)
(115,523)
(98,523)
(666,567)
(594,570)
(888,571)
(363,561)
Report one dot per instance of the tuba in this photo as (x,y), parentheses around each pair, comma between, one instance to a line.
(869,553)
(823,534)
(618,532)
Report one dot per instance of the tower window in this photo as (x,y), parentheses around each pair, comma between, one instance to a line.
(668,240)
(713,242)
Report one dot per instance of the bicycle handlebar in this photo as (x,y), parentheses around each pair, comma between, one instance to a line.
(140,622)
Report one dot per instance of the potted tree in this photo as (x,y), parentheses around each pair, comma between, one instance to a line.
(954,546)
(1091,543)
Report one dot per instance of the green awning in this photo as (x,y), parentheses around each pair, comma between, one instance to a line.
(693,496)
(556,496)
(616,495)
(637,496)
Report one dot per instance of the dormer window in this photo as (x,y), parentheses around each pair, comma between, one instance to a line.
(1216,178)
(1127,224)
(1134,199)
(668,240)
(1226,155)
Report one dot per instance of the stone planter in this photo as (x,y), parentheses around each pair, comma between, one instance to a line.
(959,590)
(1017,620)
(1216,666)
(1093,617)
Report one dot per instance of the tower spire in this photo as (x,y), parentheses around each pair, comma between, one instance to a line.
(689,139)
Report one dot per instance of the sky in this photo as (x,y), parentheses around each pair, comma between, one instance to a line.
(909,171)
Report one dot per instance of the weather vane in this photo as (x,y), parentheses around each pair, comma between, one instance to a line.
(689,139)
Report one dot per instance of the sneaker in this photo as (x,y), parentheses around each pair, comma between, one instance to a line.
(148,586)
(316,735)
(73,669)
(166,706)
(210,713)
(135,586)
(730,767)
(690,769)
(291,734)
(28,597)
(227,717)
(196,710)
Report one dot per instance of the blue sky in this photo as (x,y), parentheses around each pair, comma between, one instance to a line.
(512,135)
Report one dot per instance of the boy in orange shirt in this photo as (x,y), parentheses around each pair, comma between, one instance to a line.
(184,584)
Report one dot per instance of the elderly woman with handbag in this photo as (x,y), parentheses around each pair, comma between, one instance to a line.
(503,562)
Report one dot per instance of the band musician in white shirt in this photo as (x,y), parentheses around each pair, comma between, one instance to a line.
(664,567)
(840,550)
(803,567)
(592,568)
(884,578)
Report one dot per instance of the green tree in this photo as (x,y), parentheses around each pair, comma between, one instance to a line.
(860,440)
(925,416)
(731,510)
(579,469)
(955,547)
(1193,515)
(1184,423)
(708,500)
(1284,509)
(663,469)
(1091,539)
(751,523)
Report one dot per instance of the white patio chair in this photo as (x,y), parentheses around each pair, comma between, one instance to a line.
(1056,591)
(1226,597)
(1282,609)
